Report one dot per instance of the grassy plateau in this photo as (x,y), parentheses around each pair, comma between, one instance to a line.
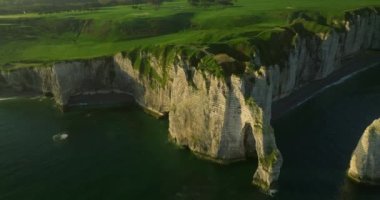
(79,34)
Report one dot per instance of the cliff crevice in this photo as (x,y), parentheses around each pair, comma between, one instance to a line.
(213,99)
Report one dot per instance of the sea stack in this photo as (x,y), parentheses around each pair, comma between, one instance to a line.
(365,161)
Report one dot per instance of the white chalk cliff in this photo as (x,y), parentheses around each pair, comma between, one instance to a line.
(365,161)
(220,118)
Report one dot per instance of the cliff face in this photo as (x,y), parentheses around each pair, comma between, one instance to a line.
(316,57)
(223,119)
(365,161)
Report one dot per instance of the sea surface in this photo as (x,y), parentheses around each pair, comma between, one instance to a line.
(122,153)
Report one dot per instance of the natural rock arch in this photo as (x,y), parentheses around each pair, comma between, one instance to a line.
(249,142)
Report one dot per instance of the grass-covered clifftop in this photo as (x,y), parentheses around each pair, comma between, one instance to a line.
(75,34)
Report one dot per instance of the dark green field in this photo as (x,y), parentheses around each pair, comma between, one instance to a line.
(77,34)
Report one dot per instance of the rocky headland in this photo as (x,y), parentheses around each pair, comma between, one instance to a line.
(218,99)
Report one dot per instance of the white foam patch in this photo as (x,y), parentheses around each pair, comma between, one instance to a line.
(8,98)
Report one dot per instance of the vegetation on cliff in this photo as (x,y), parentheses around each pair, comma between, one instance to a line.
(242,30)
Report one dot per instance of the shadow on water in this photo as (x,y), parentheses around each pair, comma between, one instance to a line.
(111,153)
(318,138)
(122,153)
(353,191)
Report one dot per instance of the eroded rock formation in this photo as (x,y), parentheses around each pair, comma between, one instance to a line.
(221,118)
(365,161)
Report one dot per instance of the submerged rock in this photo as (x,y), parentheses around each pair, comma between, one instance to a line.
(365,161)
(60,137)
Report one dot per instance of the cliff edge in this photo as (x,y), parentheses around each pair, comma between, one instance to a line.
(218,97)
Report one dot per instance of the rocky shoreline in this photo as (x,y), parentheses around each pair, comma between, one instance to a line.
(352,65)
(221,118)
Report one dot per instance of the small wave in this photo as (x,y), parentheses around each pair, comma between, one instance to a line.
(338,82)
(60,137)
(7,98)
(21,97)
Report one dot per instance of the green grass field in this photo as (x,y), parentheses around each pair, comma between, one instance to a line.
(34,37)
